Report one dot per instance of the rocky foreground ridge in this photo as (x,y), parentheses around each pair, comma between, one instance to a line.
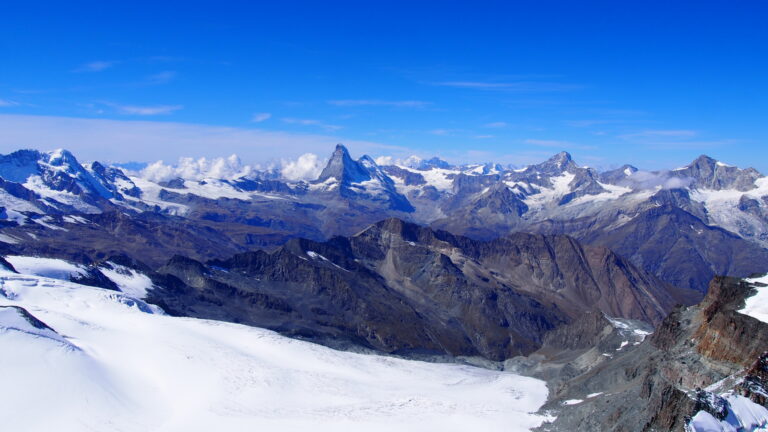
(403,288)
(673,379)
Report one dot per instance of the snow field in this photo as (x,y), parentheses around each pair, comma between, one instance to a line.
(124,369)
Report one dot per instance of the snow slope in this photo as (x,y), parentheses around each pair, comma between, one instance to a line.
(743,416)
(46,267)
(756,305)
(130,281)
(124,366)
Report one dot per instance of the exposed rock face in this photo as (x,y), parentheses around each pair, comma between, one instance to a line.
(400,287)
(679,248)
(361,179)
(657,385)
(730,337)
(708,173)
(487,214)
(755,383)
(618,175)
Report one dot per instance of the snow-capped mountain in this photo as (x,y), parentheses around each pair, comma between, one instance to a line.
(360,180)
(42,194)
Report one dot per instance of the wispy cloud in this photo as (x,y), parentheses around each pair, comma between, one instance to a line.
(549,143)
(512,86)
(147,110)
(95,66)
(484,136)
(377,102)
(8,103)
(588,123)
(558,144)
(496,125)
(668,139)
(260,117)
(441,132)
(143,140)
(162,77)
(311,122)
(668,133)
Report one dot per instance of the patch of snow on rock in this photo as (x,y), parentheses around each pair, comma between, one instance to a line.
(46,267)
(130,281)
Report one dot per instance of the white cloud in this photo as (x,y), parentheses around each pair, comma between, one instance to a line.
(440,132)
(162,77)
(148,110)
(376,102)
(158,172)
(95,66)
(588,123)
(412,161)
(311,122)
(549,143)
(7,103)
(474,84)
(670,139)
(260,117)
(188,168)
(674,133)
(143,140)
(484,136)
(515,86)
(384,160)
(558,144)
(650,180)
(676,182)
(500,124)
(307,167)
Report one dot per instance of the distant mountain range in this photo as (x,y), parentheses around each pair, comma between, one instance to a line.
(683,225)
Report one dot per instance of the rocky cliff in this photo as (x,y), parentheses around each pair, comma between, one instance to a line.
(695,354)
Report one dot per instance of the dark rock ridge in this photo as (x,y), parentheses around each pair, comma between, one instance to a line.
(403,288)
(671,243)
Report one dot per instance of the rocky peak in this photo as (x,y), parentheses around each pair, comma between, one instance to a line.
(397,228)
(19,165)
(343,168)
(501,199)
(557,164)
(708,173)
(618,175)
(56,170)
(350,175)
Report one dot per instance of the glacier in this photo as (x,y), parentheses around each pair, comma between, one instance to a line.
(110,362)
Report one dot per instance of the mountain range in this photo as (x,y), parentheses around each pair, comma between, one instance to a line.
(599,283)
(683,226)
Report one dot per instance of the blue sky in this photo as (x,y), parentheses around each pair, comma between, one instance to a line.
(651,83)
